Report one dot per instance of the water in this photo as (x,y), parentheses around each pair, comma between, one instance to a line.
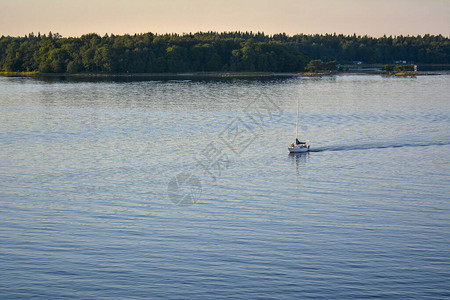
(89,206)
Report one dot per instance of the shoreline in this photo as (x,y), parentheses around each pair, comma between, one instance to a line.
(213,74)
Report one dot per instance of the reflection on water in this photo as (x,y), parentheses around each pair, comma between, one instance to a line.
(300,160)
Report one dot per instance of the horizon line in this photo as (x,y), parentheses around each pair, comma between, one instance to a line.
(224,32)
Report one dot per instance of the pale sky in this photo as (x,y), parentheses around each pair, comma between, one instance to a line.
(371,17)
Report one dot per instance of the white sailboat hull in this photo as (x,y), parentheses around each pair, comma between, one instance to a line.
(298,149)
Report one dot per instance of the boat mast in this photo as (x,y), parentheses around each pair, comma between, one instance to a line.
(298,107)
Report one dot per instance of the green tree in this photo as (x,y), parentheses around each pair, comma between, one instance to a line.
(74,67)
(13,59)
(315,65)
(175,61)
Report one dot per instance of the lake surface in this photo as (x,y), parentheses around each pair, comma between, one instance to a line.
(184,189)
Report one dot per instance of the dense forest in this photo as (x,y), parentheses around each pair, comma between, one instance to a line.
(210,51)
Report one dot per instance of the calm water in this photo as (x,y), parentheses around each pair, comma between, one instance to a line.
(185,189)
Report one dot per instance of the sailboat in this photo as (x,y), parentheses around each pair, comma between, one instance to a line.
(298,146)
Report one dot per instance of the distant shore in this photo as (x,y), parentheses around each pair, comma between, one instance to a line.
(213,74)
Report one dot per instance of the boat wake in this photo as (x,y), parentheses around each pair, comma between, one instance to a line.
(378,146)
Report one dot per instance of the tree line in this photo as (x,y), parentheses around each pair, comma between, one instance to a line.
(211,52)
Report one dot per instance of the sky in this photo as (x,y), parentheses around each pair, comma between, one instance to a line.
(372,17)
